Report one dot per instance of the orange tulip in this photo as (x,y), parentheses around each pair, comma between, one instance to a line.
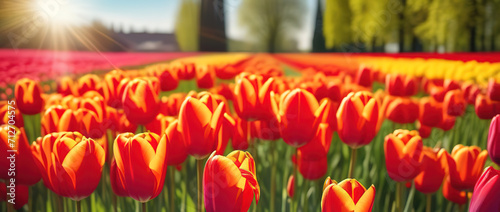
(29,96)
(453,194)
(330,114)
(25,171)
(177,149)
(66,86)
(299,117)
(470,92)
(267,129)
(140,101)
(328,181)
(447,123)
(58,119)
(186,71)
(240,137)
(230,183)
(403,155)
(194,118)
(171,105)
(254,100)
(347,196)
(465,165)
(89,82)
(205,76)
(114,84)
(358,119)
(433,171)
(400,85)
(90,124)
(70,163)
(431,112)
(21,192)
(454,103)
(494,90)
(139,168)
(7,115)
(159,124)
(423,130)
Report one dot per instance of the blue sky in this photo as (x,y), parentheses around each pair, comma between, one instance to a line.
(160,15)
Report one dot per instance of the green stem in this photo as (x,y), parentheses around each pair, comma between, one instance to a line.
(304,192)
(199,164)
(114,201)
(428,202)
(30,198)
(144,207)
(353,163)
(28,127)
(399,193)
(294,198)
(273,174)
(78,206)
(60,203)
(172,188)
(467,198)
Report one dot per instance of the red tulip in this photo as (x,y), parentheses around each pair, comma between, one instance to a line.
(348,195)
(433,171)
(240,139)
(450,84)
(196,117)
(21,193)
(431,112)
(168,80)
(401,110)
(299,117)
(470,92)
(159,124)
(454,103)
(494,90)
(114,84)
(465,165)
(205,76)
(485,108)
(140,101)
(403,155)
(177,149)
(423,130)
(7,115)
(28,96)
(447,123)
(267,129)
(494,140)
(453,194)
(230,183)
(400,85)
(364,76)
(486,191)
(139,168)
(170,106)
(70,164)
(358,119)
(25,171)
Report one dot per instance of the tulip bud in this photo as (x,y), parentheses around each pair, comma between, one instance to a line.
(328,182)
(177,149)
(484,107)
(433,171)
(486,190)
(29,96)
(453,194)
(494,140)
(205,76)
(401,110)
(66,86)
(454,103)
(168,80)
(290,188)
(89,82)
(364,77)
(348,195)
(431,112)
(400,85)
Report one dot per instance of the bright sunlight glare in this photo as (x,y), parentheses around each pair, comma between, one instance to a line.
(60,12)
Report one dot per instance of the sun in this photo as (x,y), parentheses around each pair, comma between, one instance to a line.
(59,13)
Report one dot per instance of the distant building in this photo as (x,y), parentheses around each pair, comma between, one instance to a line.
(147,42)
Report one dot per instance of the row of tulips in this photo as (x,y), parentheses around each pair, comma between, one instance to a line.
(127,127)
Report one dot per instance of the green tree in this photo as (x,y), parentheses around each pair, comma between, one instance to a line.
(187,25)
(337,23)
(318,42)
(268,22)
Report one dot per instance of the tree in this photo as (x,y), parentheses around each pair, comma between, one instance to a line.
(318,42)
(212,35)
(187,25)
(337,23)
(269,22)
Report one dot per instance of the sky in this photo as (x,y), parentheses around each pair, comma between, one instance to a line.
(154,15)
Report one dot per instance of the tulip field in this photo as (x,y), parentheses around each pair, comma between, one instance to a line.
(254,132)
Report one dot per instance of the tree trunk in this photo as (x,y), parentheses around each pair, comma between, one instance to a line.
(472,44)
(212,35)
(318,43)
